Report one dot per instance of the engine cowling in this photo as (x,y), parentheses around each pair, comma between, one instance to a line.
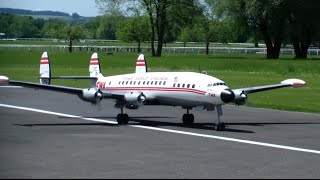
(91,95)
(134,100)
(240,97)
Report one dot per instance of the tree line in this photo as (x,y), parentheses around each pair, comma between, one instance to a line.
(274,22)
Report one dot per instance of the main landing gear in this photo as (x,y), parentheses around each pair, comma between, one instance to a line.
(188,118)
(122,118)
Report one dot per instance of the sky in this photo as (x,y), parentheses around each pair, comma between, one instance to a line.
(85,8)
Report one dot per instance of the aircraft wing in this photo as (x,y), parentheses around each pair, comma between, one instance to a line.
(63,89)
(286,83)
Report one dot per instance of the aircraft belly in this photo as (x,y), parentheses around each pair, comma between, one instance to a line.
(177,98)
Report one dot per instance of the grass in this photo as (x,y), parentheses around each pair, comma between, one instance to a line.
(236,70)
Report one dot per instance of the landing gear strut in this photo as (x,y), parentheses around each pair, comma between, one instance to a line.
(188,118)
(122,118)
(220,126)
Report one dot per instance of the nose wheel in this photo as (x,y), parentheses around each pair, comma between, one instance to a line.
(220,126)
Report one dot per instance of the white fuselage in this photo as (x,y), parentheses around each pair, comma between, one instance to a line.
(187,89)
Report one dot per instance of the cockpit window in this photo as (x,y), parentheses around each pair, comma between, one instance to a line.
(217,84)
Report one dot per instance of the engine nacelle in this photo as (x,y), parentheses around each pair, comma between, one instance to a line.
(134,100)
(91,95)
(240,97)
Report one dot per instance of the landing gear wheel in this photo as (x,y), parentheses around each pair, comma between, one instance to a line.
(122,119)
(188,119)
(220,127)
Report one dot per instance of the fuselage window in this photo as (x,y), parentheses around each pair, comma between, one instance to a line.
(182,85)
(164,83)
(127,82)
(119,82)
(178,85)
(147,82)
(174,85)
(188,86)
(134,83)
(130,82)
(156,83)
(151,82)
(139,83)
(110,83)
(193,86)
(144,82)
(160,83)
(122,82)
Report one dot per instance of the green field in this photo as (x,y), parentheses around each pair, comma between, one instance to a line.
(236,70)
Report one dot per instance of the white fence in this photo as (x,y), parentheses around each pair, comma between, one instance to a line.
(166,50)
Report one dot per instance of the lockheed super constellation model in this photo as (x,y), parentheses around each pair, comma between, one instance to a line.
(186,89)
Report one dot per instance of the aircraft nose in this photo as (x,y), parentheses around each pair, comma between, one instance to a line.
(227,95)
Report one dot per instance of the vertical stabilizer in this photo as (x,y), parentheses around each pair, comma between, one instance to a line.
(141,64)
(94,68)
(45,73)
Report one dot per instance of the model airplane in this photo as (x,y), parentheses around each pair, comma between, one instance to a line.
(186,89)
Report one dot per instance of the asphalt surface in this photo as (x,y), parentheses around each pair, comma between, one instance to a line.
(155,144)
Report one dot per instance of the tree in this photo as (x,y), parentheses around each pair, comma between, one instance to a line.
(134,29)
(23,27)
(108,27)
(51,28)
(157,10)
(304,25)
(72,33)
(268,17)
(92,26)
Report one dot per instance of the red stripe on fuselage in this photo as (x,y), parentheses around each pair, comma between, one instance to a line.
(154,89)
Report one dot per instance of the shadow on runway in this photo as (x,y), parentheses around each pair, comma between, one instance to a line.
(67,124)
(202,126)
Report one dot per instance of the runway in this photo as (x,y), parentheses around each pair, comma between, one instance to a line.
(53,135)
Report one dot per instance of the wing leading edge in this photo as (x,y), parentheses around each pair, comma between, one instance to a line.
(285,83)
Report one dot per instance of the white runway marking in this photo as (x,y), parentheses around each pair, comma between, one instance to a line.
(169,130)
(10,86)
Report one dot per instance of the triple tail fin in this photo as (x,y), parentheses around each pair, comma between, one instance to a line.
(141,64)
(45,72)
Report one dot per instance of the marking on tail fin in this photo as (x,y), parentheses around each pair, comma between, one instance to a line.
(141,64)
(45,72)
(94,65)
(94,68)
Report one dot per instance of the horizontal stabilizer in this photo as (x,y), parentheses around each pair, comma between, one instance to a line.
(73,77)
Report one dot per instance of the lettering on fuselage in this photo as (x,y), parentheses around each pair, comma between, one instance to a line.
(143,78)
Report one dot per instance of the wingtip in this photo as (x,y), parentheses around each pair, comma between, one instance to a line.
(294,82)
(4,80)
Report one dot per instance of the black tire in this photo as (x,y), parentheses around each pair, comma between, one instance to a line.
(125,119)
(188,119)
(220,127)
